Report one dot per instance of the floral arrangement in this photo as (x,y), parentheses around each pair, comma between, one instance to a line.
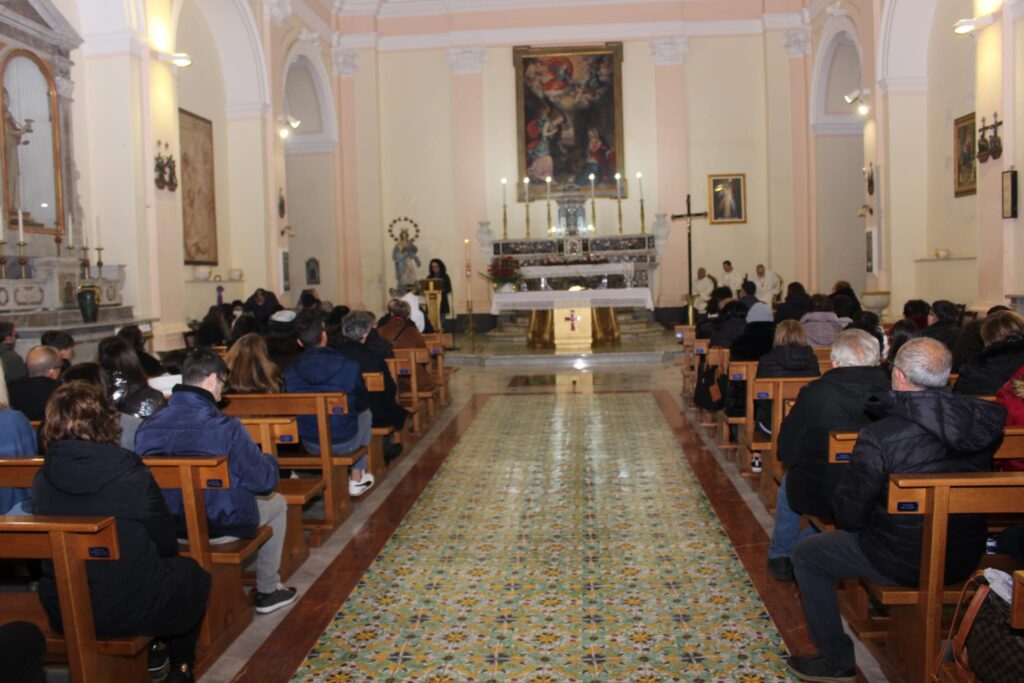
(504,270)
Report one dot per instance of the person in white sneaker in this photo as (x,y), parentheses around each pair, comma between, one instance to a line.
(321,369)
(191,423)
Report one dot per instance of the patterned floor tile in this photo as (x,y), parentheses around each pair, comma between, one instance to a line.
(565,539)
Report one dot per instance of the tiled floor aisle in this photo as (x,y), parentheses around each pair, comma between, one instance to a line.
(565,538)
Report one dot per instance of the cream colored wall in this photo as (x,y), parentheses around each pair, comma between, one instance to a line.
(952,221)
(416,155)
(311,182)
(841,250)
(367,132)
(728,137)
(301,99)
(781,258)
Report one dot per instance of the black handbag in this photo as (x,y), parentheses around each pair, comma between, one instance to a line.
(709,394)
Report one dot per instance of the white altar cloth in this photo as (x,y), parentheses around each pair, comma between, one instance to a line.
(576,270)
(633,297)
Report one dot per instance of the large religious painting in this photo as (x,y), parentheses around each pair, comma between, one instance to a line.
(569,119)
(965,171)
(198,206)
(727,197)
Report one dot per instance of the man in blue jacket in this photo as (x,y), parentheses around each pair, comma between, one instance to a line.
(191,424)
(323,370)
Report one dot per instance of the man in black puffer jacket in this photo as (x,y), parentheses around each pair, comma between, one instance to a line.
(926,430)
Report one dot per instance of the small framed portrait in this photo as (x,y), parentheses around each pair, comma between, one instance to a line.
(965,171)
(312,271)
(871,244)
(727,197)
(1010,193)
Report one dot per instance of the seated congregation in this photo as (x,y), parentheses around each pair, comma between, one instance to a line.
(869,444)
(267,433)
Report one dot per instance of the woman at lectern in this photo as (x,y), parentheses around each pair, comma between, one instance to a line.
(440,271)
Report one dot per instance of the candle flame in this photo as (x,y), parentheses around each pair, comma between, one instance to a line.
(504,181)
(526,181)
(592,176)
(618,176)
(639,175)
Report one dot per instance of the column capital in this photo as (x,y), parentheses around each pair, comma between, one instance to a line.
(277,10)
(798,41)
(669,51)
(344,60)
(466,60)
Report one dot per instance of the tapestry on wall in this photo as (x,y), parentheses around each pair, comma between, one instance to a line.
(198,206)
(569,119)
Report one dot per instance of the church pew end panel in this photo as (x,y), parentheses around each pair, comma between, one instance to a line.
(69,542)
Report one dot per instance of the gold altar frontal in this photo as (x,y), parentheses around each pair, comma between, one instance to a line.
(572,330)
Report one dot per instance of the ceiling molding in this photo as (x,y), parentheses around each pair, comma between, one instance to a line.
(852,127)
(907,84)
(310,144)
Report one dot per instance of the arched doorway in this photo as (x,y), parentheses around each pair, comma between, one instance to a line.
(839,157)
(310,165)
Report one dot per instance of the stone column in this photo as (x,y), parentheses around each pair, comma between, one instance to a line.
(798,44)
(345,62)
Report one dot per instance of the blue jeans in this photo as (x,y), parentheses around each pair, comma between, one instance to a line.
(818,563)
(787,526)
(362,438)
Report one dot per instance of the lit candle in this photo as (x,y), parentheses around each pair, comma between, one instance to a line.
(504,187)
(71,233)
(526,188)
(548,181)
(466,242)
(618,186)
(640,184)
(21,228)
(593,193)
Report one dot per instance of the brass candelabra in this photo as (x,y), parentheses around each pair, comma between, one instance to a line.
(22,260)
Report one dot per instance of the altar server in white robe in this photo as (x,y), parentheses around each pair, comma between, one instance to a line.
(731,278)
(702,288)
(769,285)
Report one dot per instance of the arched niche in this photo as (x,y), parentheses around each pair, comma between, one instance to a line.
(308,97)
(37,157)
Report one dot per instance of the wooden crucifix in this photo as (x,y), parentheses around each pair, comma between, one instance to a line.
(688,217)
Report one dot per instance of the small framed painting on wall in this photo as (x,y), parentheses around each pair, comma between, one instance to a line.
(1010,193)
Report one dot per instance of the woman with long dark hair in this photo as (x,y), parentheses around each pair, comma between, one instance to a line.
(149,590)
(126,382)
(150,365)
(440,271)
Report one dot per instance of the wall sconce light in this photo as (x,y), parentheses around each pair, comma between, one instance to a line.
(178,59)
(865,211)
(859,97)
(287,230)
(965,26)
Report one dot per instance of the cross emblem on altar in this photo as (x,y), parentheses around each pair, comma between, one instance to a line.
(572,319)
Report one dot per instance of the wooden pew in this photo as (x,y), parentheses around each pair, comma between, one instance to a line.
(685,336)
(334,468)
(782,392)
(916,613)
(436,345)
(700,353)
(228,610)
(841,444)
(420,359)
(738,371)
(69,542)
(405,367)
(719,357)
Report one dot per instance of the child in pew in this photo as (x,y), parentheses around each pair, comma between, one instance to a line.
(17,440)
(149,590)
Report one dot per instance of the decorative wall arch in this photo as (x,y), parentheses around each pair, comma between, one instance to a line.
(327,140)
(903,46)
(837,29)
(242,59)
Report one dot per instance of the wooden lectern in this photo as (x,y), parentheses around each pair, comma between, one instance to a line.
(433,291)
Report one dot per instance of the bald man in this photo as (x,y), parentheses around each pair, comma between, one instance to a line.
(30,394)
(769,284)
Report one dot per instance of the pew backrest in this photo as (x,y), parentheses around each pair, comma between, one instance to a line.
(841,444)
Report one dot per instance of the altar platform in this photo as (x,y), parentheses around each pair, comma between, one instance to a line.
(654,347)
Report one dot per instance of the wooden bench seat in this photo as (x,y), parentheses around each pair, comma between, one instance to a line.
(69,542)
(333,468)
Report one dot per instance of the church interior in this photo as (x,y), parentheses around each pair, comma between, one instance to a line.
(654,340)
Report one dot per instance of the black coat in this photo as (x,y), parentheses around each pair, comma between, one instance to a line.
(30,394)
(836,402)
(87,478)
(789,361)
(383,405)
(793,308)
(947,333)
(755,341)
(998,363)
(726,331)
(924,432)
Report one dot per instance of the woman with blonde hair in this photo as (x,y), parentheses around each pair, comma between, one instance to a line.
(250,367)
(17,440)
(791,356)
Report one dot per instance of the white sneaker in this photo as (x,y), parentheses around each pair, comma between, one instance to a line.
(358,488)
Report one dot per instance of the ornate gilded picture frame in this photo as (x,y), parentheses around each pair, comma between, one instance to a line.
(569,119)
(965,167)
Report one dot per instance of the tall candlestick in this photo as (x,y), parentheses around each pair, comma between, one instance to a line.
(466,242)
(21,227)
(71,233)
(504,209)
(551,226)
(640,189)
(618,197)
(22,261)
(526,189)
(470,327)
(593,204)
(3,258)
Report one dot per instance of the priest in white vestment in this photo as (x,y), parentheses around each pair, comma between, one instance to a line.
(730,278)
(769,285)
(702,288)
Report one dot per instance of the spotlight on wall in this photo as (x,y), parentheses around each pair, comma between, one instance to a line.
(178,59)
(853,96)
(859,97)
(965,26)
(289,120)
(863,109)
(283,132)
